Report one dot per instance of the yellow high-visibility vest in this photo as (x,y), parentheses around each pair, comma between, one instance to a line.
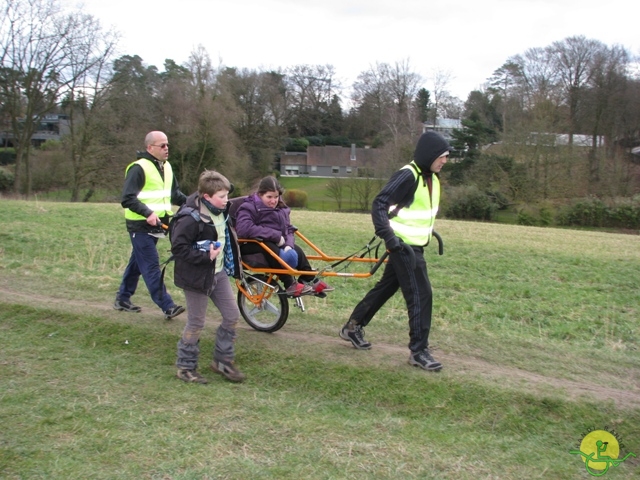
(156,192)
(414,224)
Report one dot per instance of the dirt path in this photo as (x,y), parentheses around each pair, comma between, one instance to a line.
(595,389)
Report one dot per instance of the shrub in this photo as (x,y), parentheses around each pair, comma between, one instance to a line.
(297,145)
(527,218)
(295,198)
(315,141)
(593,212)
(499,198)
(589,212)
(6,180)
(546,215)
(626,216)
(7,156)
(341,141)
(469,203)
(541,215)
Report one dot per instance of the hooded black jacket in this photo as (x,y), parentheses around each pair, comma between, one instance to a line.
(401,187)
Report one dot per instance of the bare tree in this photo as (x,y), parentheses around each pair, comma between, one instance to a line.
(36,39)
(371,98)
(573,59)
(260,126)
(403,119)
(312,89)
(85,99)
(385,96)
(204,128)
(605,97)
(441,79)
(504,82)
(335,190)
(364,190)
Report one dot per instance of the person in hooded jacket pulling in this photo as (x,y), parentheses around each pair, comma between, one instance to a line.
(403,215)
(206,254)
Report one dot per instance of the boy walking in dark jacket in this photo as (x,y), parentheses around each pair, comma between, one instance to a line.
(202,270)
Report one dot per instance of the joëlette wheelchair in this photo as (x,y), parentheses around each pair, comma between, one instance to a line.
(263,301)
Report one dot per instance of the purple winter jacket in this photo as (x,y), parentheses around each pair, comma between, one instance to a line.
(255,220)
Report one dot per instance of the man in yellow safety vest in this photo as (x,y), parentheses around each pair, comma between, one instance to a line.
(150,188)
(403,215)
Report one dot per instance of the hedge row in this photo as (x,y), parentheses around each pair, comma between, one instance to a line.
(593,212)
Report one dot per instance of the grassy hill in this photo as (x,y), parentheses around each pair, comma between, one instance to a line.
(537,330)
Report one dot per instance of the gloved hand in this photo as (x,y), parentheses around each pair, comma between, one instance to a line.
(394,244)
(281,242)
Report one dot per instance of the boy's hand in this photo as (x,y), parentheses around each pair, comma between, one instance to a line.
(214,250)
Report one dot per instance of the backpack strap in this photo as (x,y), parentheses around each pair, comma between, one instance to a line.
(182,211)
(194,213)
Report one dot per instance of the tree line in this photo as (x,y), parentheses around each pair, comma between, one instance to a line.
(237,120)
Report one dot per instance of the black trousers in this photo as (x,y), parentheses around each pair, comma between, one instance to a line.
(416,290)
(252,248)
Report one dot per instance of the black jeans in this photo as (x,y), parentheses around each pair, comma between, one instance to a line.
(416,290)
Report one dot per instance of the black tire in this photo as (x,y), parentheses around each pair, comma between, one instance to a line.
(271,315)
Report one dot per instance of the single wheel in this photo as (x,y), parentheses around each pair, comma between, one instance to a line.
(262,308)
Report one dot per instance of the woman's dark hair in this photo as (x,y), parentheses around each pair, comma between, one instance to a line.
(270,184)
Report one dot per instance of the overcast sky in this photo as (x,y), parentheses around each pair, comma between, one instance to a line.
(469,39)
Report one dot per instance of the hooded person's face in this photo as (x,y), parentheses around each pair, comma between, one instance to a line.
(439,162)
(430,149)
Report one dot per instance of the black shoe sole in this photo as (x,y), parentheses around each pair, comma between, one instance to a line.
(433,369)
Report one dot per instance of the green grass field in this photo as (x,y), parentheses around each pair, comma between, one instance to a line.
(537,330)
(315,188)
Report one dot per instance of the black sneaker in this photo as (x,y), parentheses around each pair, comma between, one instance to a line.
(227,369)
(190,376)
(355,334)
(425,361)
(173,312)
(124,306)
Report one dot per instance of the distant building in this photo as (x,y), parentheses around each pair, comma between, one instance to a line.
(329,161)
(557,139)
(443,126)
(51,127)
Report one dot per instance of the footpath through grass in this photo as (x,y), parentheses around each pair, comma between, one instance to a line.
(521,315)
